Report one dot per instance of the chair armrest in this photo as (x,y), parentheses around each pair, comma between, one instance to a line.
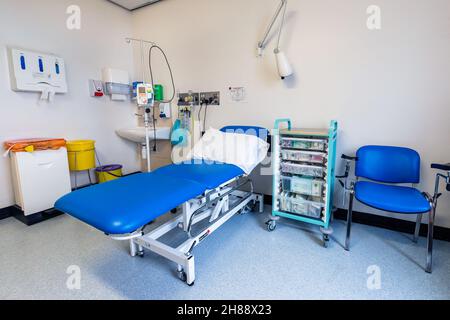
(345,157)
(445,167)
(347,166)
(446,178)
(344,180)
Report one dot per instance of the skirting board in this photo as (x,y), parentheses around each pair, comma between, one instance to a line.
(34,218)
(15,212)
(5,213)
(440,233)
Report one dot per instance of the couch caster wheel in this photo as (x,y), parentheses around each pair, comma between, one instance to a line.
(182,275)
(246,209)
(271,225)
(252,206)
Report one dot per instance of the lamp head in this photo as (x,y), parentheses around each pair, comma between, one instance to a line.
(283,65)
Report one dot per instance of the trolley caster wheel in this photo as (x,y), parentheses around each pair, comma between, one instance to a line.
(191,284)
(326,241)
(140,254)
(271,225)
(326,236)
(182,276)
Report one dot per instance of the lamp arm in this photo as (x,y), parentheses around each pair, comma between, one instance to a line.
(277,49)
(262,43)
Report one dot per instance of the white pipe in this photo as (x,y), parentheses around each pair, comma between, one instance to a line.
(147,140)
(146,114)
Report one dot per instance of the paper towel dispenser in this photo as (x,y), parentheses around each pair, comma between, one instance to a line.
(37,72)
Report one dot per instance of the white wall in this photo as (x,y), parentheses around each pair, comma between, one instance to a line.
(41,26)
(384,87)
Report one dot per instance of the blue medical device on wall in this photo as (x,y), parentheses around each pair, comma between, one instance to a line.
(303,175)
(179,135)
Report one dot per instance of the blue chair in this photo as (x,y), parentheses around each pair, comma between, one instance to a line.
(378,170)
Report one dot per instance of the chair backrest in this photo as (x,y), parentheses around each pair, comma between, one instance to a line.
(388,164)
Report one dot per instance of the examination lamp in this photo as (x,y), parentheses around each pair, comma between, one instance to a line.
(283,65)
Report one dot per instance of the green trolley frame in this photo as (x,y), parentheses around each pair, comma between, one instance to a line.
(296,141)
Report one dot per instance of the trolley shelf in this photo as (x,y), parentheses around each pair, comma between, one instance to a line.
(303,185)
(304,156)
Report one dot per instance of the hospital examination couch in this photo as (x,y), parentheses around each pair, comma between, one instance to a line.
(202,190)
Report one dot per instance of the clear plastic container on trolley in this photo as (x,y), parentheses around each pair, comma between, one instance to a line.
(304,143)
(303,185)
(304,156)
(301,205)
(304,170)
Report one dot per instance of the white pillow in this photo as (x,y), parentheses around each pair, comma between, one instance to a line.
(243,150)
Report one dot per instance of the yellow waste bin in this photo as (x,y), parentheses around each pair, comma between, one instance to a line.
(81,155)
(108,173)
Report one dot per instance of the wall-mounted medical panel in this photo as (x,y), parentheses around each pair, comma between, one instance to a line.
(36,72)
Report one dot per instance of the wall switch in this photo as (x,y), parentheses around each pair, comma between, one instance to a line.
(96,88)
(210,98)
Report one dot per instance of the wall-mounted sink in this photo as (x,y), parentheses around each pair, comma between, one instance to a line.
(137,134)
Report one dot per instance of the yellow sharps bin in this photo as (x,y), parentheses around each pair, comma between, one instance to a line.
(81,155)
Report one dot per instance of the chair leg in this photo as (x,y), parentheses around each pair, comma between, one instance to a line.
(430,240)
(417,230)
(349,221)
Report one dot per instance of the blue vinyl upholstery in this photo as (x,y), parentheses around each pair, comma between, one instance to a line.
(210,175)
(386,168)
(393,165)
(260,132)
(391,198)
(127,204)
(388,164)
(124,205)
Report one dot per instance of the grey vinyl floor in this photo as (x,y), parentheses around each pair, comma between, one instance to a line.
(240,261)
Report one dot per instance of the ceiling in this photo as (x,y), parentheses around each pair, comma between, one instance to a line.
(133,4)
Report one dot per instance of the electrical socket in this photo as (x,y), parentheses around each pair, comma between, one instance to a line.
(210,98)
(185,99)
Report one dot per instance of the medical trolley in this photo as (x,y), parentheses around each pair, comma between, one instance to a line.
(303,175)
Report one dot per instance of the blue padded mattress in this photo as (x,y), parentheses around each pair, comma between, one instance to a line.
(125,205)
(211,175)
